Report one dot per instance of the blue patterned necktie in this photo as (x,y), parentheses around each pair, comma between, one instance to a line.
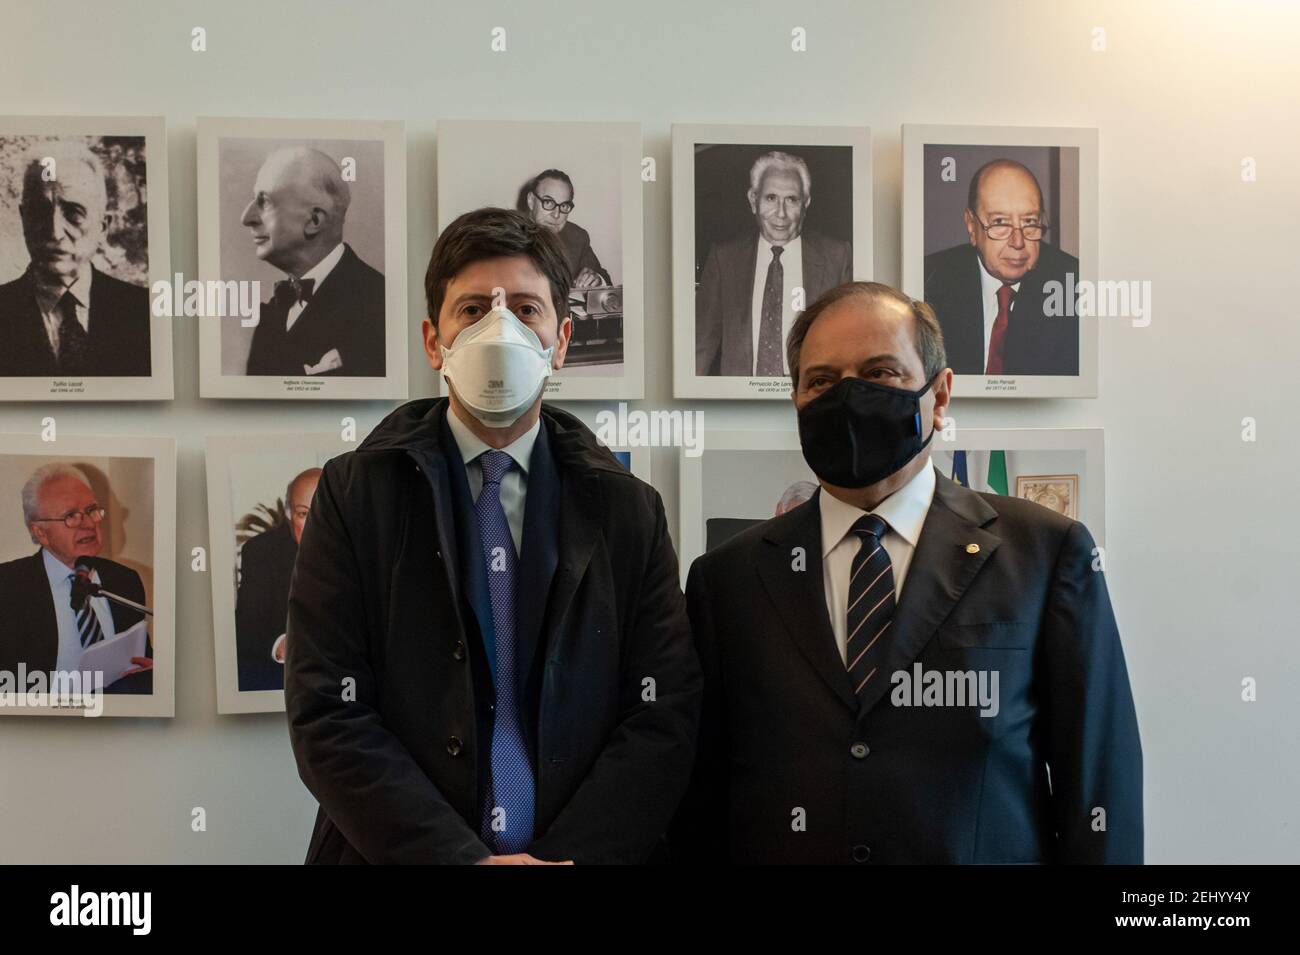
(508,811)
(88,627)
(871,603)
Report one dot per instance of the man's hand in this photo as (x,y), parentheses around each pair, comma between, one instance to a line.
(588,278)
(520,858)
(141,664)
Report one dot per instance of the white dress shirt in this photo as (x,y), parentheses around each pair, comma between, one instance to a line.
(317,273)
(904,511)
(514,486)
(47,300)
(70,647)
(792,273)
(989,285)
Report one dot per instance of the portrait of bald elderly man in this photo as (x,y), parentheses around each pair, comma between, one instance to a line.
(46,627)
(262,600)
(744,302)
(64,316)
(326,314)
(989,293)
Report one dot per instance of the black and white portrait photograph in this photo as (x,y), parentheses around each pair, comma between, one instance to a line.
(313,213)
(260,490)
(83,237)
(765,219)
(87,572)
(999,238)
(581,181)
(742,479)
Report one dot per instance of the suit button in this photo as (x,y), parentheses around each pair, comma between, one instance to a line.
(454,745)
(862,853)
(860,750)
(459,652)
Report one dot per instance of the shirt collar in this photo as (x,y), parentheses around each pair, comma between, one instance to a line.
(471,446)
(788,249)
(904,510)
(48,296)
(323,268)
(58,571)
(989,283)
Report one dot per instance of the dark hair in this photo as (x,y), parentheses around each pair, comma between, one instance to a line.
(926,334)
(521,201)
(486,234)
(973,191)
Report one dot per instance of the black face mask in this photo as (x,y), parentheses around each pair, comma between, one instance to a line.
(857,432)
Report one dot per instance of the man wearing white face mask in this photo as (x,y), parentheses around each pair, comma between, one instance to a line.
(498,599)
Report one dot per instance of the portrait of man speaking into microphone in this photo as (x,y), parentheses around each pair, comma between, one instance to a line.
(71,597)
(488,655)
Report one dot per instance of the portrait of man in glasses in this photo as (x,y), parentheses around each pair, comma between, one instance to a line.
(989,293)
(548,199)
(48,619)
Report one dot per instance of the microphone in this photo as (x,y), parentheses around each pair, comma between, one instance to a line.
(84,586)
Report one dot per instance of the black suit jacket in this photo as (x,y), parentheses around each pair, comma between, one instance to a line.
(1035,344)
(577,250)
(934,784)
(262,606)
(118,329)
(378,596)
(30,632)
(346,312)
(724,298)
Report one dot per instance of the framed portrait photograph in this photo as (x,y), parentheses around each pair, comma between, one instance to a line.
(1000,238)
(83,240)
(87,575)
(260,489)
(765,219)
(581,181)
(742,478)
(746,477)
(1063,469)
(302,256)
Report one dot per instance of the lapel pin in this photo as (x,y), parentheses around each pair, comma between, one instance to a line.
(972,548)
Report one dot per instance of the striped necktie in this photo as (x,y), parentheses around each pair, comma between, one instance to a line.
(507,825)
(871,603)
(88,627)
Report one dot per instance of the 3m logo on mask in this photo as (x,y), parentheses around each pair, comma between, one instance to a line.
(497,368)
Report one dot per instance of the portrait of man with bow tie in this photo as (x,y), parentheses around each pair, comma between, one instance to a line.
(325,315)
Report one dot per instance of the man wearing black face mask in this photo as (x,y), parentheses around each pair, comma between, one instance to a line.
(981,714)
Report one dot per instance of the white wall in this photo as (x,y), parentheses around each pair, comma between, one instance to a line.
(1202,554)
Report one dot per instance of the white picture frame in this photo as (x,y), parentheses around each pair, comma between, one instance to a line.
(222,340)
(1087,443)
(97,455)
(604,158)
(855,170)
(229,492)
(942,178)
(158,385)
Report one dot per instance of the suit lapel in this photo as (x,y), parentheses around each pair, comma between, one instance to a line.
(43,652)
(740,330)
(580,514)
(32,338)
(813,279)
(941,570)
(799,595)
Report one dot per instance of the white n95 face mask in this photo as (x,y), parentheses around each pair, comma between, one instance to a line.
(498,366)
